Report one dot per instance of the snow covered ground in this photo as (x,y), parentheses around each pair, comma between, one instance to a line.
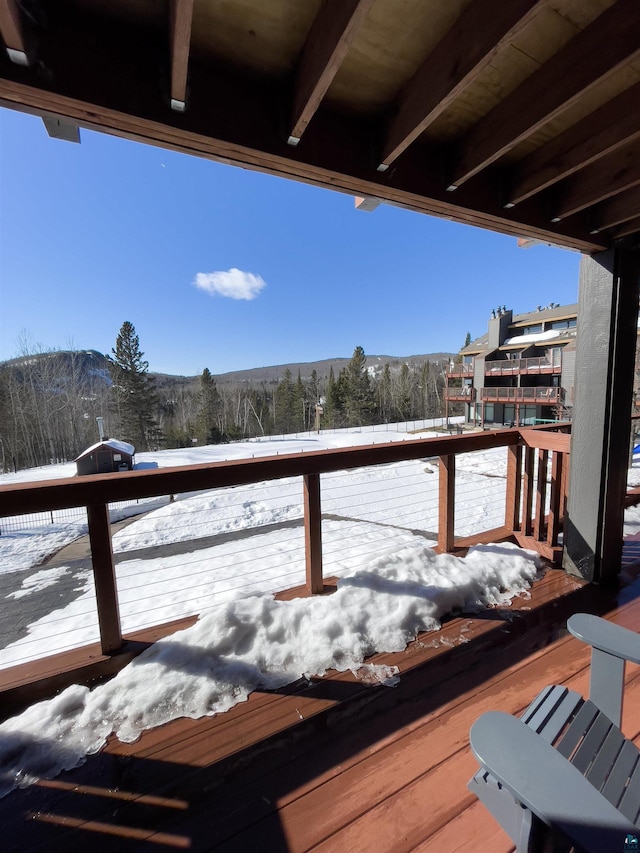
(376,539)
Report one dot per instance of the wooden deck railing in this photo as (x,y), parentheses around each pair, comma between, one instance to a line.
(531,451)
(460,369)
(514,366)
(548,396)
(465,394)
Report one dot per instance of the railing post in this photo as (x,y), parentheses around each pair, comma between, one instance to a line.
(313,533)
(514,487)
(105,578)
(446,503)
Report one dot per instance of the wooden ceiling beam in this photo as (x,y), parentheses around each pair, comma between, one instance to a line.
(614,125)
(326,46)
(481,30)
(607,177)
(629,228)
(609,42)
(616,210)
(14,33)
(118,93)
(181,20)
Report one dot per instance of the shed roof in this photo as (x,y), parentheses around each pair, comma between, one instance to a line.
(520,117)
(112,444)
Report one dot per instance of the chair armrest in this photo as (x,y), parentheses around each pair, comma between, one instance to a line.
(543,781)
(605,636)
(611,647)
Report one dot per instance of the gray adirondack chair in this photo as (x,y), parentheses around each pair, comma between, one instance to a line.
(563,774)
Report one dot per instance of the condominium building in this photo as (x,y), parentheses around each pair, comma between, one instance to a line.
(521,372)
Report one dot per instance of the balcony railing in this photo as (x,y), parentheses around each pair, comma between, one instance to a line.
(466,394)
(537,396)
(533,497)
(460,369)
(517,366)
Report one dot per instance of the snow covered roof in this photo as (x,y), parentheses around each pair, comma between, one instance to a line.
(535,338)
(113,443)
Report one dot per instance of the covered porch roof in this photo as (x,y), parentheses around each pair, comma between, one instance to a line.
(519,117)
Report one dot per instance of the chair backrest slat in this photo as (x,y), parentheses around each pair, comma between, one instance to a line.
(626,765)
(630,803)
(548,693)
(580,724)
(599,771)
(591,744)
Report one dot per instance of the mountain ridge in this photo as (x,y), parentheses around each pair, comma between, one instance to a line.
(267,374)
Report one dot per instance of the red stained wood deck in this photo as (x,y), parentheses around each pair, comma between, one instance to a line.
(334,764)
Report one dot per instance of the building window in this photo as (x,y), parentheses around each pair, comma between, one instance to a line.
(563,324)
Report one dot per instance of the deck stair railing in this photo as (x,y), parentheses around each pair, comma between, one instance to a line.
(535,497)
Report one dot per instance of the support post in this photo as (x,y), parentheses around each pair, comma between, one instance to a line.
(105,578)
(605,354)
(446,503)
(313,533)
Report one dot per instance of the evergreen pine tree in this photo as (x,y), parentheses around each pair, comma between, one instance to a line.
(209,405)
(134,390)
(359,396)
(424,390)
(300,407)
(284,405)
(329,413)
(403,401)
(384,395)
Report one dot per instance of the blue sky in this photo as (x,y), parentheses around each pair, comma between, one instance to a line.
(109,230)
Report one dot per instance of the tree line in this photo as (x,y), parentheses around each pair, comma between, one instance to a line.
(49,402)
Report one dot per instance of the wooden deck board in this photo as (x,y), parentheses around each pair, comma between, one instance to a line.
(365,769)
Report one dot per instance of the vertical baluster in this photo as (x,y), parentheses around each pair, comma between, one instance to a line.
(555,506)
(514,487)
(527,492)
(541,494)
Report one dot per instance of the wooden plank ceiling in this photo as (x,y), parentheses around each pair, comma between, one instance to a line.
(518,116)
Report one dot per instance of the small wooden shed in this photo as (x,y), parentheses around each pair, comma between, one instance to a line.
(105,457)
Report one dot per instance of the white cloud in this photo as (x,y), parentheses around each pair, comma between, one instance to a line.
(234,283)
